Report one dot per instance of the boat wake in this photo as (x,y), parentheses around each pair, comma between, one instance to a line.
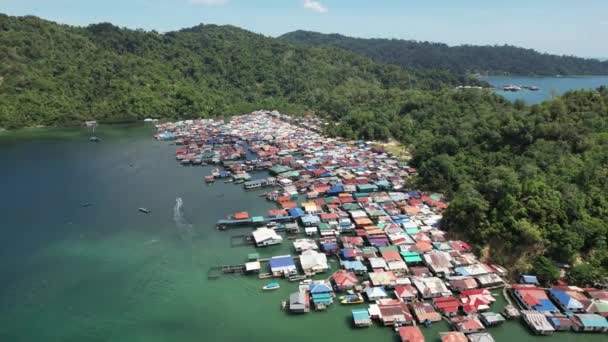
(178,217)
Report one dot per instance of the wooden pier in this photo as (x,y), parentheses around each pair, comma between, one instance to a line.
(233,223)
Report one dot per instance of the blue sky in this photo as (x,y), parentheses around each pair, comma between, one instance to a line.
(555,26)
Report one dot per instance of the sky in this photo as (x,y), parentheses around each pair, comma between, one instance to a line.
(555,26)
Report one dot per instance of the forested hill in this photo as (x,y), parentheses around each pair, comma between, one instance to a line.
(493,60)
(56,74)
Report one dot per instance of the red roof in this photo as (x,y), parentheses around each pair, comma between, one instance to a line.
(411,334)
(345,278)
(329,217)
(448,305)
(391,256)
(242,215)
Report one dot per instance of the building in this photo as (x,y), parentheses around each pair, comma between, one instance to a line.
(538,322)
(299,302)
(344,280)
(266,237)
(431,287)
(321,293)
(590,322)
(425,312)
(383,278)
(313,262)
(481,337)
(467,324)
(439,262)
(453,336)
(361,318)
(374,293)
(491,319)
(410,334)
(393,312)
(447,305)
(283,266)
(301,245)
(566,302)
(533,298)
(406,292)
(355,266)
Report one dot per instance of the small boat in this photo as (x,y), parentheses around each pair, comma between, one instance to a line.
(283,305)
(84,205)
(144,210)
(271,286)
(427,323)
(94,139)
(351,299)
(209,179)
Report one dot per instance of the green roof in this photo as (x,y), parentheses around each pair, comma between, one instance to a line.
(253,256)
(257,219)
(324,226)
(411,256)
(389,248)
(412,231)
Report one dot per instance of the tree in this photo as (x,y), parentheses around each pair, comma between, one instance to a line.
(546,270)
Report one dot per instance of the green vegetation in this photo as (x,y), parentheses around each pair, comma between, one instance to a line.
(56,74)
(492,60)
(524,181)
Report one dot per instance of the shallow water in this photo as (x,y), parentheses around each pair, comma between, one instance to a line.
(110,273)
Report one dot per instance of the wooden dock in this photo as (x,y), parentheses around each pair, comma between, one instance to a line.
(232,223)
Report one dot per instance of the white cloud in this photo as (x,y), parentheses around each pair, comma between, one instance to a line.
(209,2)
(315,6)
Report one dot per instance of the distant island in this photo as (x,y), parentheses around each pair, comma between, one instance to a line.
(487,60)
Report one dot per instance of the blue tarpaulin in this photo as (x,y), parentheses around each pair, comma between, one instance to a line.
(296,212)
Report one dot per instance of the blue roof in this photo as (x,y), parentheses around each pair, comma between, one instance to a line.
(319,288)
(529,279)
(310,219)
(296,212)
(360,314)
(356,265)
(328,246)
(565,300)
(278,262)
(545,305)
(336,189)
(593,320)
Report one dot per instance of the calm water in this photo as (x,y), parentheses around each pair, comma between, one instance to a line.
(549,86)
(109,273)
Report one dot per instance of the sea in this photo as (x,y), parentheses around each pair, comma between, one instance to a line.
(549,87)
(81,263)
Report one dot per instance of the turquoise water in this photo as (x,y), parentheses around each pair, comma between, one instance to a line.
(549,86)
(110,273)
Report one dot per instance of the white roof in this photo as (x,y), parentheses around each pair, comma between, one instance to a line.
(252,266)
(263,234)
(311,259)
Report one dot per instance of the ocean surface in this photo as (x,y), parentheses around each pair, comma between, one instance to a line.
(107,272)
(549,86)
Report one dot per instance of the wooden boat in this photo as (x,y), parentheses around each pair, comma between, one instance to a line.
(144,210)
(351,299)
(273,285)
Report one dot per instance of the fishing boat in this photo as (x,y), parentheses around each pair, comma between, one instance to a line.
(351,299)
(144,210)
(271,286)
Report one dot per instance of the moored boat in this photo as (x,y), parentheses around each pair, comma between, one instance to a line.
(351,299)
(144,210)
(271,286)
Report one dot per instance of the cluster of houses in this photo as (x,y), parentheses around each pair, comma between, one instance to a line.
(561,308)
(350,201)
